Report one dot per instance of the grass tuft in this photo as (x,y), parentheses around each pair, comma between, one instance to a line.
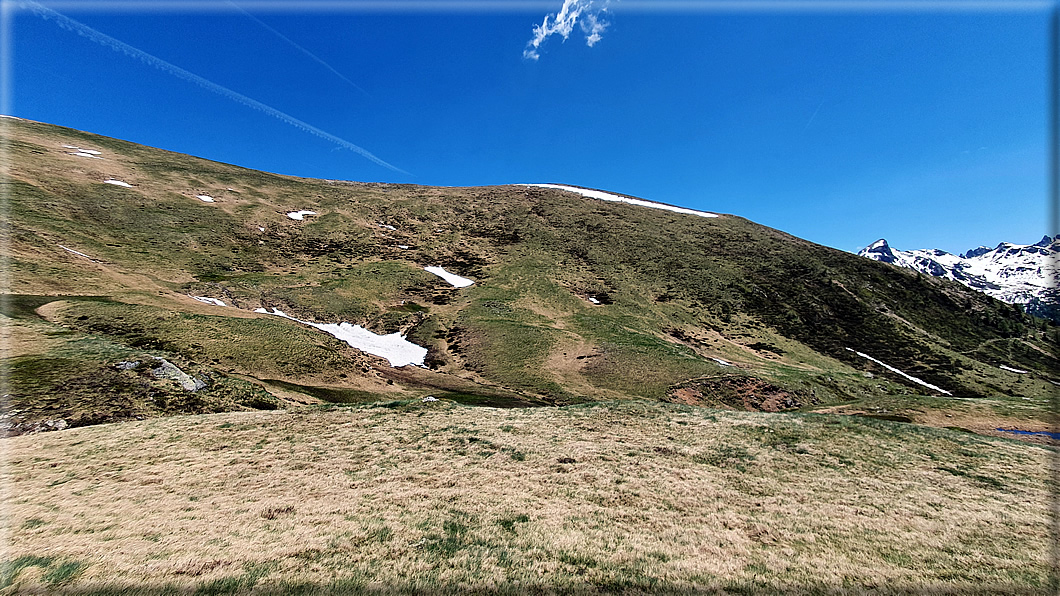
(274,512)
(9,570)
(63,573)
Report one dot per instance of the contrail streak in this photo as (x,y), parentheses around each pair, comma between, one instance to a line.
(298,47)
(810,121)
(105,40)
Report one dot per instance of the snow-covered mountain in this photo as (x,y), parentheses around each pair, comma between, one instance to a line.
(1013,273)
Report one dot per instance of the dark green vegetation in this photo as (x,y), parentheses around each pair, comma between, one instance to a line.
(675,291)
(55,573)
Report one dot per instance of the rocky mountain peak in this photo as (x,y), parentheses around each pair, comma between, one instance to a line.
(975,252)
(878,251)
(1014,273)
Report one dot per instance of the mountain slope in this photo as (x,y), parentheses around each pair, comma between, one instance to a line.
(1012,273)
(574,299)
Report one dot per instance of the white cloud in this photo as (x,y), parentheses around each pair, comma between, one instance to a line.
(586,14)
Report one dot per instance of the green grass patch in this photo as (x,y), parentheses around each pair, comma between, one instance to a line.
(985,480)
(9,570)
(24,306)
(508,524)
(63,573)
(331,395)
(726,456)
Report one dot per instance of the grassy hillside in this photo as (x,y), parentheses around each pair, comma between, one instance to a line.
(437,498)
(575,299)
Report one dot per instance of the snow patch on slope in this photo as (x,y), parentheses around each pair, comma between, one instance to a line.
(89,151)
(895,370)
(454,280)
(606,196)
(80,254)
(83,152)
(300,215)
(117,183)
(205,198)
(213,301)
(394,347)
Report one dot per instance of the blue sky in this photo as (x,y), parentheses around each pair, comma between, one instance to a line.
(927,127)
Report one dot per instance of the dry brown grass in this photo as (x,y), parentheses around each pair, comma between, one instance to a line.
(19,338)
(440,497)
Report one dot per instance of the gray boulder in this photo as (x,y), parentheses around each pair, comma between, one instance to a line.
(168,370)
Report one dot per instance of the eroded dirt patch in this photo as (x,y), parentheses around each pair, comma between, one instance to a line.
(737,392)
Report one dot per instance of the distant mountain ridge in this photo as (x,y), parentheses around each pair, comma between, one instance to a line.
(1023,274)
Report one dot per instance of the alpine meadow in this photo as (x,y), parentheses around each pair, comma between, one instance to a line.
(529,297)
(226,381)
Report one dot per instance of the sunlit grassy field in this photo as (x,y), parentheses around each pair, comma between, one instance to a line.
(434,497)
